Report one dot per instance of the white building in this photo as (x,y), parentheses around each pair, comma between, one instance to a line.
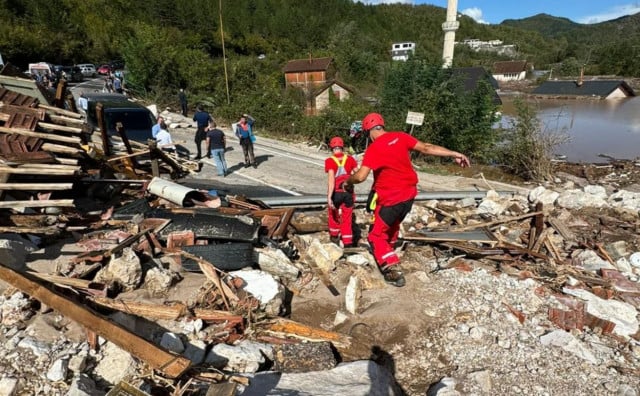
(401,51)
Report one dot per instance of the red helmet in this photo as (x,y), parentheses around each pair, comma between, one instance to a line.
(372,120)
(336,142)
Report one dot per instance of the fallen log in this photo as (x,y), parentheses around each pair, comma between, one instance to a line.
(158,358)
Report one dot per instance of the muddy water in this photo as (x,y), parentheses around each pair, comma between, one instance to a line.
(610,127)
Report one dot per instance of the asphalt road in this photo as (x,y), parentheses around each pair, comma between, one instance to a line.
(285,169)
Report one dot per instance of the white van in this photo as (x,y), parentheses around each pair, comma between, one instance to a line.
(41,68)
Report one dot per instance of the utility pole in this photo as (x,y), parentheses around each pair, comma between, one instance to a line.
(224,55)
(449,28)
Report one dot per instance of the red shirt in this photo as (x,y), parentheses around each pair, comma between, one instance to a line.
(389,158)
(349,166)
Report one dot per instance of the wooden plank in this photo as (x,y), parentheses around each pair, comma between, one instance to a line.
(210,272)
(66,120)
(36,171)
(482,236)
(301,331)
(170,364)
(36,186)
(36,203)
(42,135)
(61,149)
(51,230)
(61,128)
(163,311)
(222,389)
(495,222)
(57,110)
(541,238)
(562,229)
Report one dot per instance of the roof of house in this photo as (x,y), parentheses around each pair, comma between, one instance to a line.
(509,67)
(471,76)
(307,65)
(328,84)
(588,88)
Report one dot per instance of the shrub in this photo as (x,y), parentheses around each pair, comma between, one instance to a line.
(528,144)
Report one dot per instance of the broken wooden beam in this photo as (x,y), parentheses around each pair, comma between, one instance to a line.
(41,135)
(495,222)
(60,128)
(36,203)
(57,110)
(36,186)
(158,358)
(173,311)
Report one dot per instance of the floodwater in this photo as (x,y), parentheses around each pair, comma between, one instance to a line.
(610,127)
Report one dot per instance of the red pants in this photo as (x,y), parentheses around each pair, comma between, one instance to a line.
(340,218)
(384,232)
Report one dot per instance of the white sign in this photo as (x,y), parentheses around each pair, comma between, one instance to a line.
(415,118)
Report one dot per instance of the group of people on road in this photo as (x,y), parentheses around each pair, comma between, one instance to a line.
(391,197)
(215,140)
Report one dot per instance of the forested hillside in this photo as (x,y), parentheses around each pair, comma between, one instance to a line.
(172,44)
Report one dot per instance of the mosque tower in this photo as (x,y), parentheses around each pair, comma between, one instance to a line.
(449,28)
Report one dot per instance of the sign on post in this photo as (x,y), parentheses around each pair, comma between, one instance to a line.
(414,118)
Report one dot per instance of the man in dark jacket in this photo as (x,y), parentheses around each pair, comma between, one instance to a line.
(217,142)
(182,96)
(202,119)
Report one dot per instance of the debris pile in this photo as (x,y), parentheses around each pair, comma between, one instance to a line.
(149,286)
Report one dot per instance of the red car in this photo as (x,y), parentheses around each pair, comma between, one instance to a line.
(104,69)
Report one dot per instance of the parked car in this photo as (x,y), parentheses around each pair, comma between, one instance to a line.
(116,64)
(136,119)
(88,69)
(104,69)
(71,73)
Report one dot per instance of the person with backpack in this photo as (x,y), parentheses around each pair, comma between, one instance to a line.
(340,202)
(395,185)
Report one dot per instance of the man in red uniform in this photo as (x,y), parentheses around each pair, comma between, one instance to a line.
(395,183)
(340,202)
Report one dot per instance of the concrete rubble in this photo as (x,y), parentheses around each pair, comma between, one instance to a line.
(100,296)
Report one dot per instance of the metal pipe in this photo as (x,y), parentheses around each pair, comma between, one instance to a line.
(173,192)
(321,199)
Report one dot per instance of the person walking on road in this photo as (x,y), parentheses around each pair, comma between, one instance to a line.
(395,183)
(202,119)
(218,143)
(340,203)
(244,132)
(182,96)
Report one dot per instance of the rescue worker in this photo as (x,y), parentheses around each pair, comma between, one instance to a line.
(395,184)
(340,203)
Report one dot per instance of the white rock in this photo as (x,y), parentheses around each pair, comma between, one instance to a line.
(352,295)
(360,378)
(37,347)
(115,365)
(58,370)
(264,287)
(340,318)
(596,191)
(566,341)
(357,259)
(8,386)
(275,262)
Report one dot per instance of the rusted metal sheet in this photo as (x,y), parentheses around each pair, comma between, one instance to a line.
(158,358)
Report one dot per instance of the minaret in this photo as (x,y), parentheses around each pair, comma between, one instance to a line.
(449,28)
